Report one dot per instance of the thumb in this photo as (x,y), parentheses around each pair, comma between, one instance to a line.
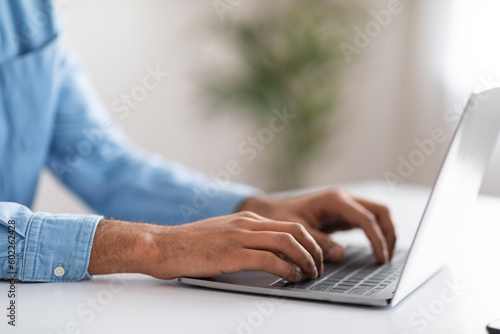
(332,251)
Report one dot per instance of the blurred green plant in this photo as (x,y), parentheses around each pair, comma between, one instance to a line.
(288,57)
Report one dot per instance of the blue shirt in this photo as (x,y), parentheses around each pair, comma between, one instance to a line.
(51,117)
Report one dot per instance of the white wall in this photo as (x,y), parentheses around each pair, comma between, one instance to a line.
(391,97)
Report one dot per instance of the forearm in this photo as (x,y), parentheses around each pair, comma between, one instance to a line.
(122,247)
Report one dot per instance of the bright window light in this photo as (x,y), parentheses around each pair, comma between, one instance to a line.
(472,59)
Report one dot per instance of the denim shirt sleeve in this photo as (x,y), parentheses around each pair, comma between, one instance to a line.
(44,242)
(92,156)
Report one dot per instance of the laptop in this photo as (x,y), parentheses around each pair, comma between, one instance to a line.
(358,279)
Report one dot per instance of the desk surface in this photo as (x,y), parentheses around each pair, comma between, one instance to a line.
(462,298)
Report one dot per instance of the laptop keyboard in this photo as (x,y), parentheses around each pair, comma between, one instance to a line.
(358,274)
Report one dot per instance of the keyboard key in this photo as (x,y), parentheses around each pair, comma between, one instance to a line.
(336,277)
(360,290)
(320,287)
(343,287)
(302,285)
(368,284)
(358,277)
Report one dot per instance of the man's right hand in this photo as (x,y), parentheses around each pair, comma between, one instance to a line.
(207,248)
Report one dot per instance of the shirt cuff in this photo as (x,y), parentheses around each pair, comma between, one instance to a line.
(57,247)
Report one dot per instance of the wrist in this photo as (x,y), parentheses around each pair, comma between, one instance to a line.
(122,247)
(260,205)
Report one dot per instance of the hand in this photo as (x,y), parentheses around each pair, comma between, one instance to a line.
(207,248)
(329,211)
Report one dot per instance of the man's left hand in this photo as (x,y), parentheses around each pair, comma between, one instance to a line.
(325,212)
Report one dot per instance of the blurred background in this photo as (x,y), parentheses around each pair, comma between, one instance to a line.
(366,85)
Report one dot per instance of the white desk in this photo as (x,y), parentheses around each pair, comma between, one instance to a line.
(140,304)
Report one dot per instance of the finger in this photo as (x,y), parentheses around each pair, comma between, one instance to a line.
(351,211)
(300,233)
(384,220)
(331,250)
(253,259)
(283,243)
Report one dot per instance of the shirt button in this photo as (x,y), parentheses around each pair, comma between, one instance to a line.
(58,271)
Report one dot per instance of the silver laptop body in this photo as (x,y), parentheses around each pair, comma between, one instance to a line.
(358,280)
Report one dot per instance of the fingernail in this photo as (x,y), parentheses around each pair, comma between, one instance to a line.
(329,253)
(314,273)
(298,277)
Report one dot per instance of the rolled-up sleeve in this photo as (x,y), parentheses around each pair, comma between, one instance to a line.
(48,247)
